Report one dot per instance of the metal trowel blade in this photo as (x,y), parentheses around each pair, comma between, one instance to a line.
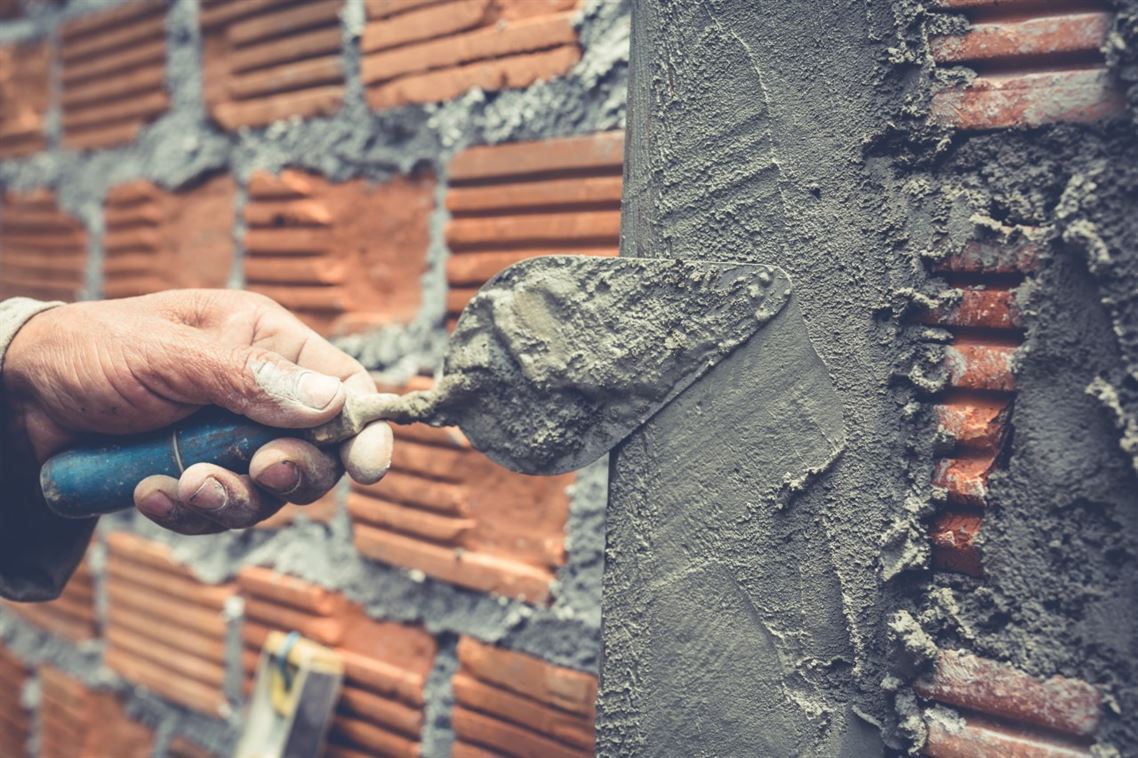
(559,358)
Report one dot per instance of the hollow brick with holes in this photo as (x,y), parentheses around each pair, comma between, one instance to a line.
(156,239)
(166,629)
(420,52)
(77,721)
(386,664)
(343,256)
(450,512)
(271,59)
(43,250)
(113,74)
(1037,65)
(25,70)
(516,201)
(516,704)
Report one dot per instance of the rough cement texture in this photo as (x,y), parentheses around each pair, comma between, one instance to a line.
(182,148)
(537,386)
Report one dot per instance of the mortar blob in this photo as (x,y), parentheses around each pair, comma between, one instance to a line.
(559,358)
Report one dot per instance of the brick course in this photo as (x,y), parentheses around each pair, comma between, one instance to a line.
(25,71)
(15,718)
(1037,65)
(380,711)
(166,630)
(157,240)
(43,251)
(114,69)
(270,59)
(512,704)
(516,201)
(450,512)
(422,51)
(342,256)
(79,722)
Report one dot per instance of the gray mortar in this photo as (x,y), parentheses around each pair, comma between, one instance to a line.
(182,148)
(438,733)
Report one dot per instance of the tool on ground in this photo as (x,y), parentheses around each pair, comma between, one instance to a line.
(554,362)
(294,694)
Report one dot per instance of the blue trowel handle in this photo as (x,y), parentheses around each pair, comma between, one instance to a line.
(101,477)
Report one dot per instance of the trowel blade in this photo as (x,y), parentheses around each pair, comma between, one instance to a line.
(559,358)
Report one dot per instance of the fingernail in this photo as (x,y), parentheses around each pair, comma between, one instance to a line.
(282,477)
(210,496)
(157,504)
(317,391)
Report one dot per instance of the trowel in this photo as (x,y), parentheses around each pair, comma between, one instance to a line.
(553,363)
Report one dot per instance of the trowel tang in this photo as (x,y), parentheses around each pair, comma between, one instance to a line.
(100,478)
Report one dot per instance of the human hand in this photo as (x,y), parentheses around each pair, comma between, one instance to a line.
(143,363)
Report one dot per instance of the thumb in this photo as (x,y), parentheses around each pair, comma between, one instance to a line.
(262,385)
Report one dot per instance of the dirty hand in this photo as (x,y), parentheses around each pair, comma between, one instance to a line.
(143,363)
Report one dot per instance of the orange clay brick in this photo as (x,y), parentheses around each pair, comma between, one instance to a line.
(428,52)
(1020,254)
(72,614)
(952,539)
(516,201)
(385,664)
(79,722)
(974,422)
(521,705)
(157,240)
(975,364)
(961,679)
(15,718)
(345,256)
(965,478)
(972,736)
(979,306)
(25,70)
(43,251)
(271,59)
(453,514)
(113,74)
(165,629)
(1029,99)
(1032,37)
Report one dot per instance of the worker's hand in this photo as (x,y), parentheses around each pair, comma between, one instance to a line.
(142,363)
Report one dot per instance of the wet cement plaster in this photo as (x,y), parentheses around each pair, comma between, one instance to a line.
(746,143)
(183,147)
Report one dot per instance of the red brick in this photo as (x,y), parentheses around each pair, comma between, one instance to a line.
(455,515)
(974,422)
(1029,99)
(344,256)
(265,60)
(965,478)
(43,251)
(979,306)
(15,719)
(72,614)
(973,736)
(166,629)
(975,364)
(157,240)
(428,52)
(385,664)
(977,684)
(1033,37)
(25,71)
(521,705)
(516,201)
(79,722)
(953,535)
(1020,254)
(113,76)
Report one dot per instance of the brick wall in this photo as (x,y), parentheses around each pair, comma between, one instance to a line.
(367,165)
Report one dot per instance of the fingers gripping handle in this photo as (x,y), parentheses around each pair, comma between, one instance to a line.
(100,478)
